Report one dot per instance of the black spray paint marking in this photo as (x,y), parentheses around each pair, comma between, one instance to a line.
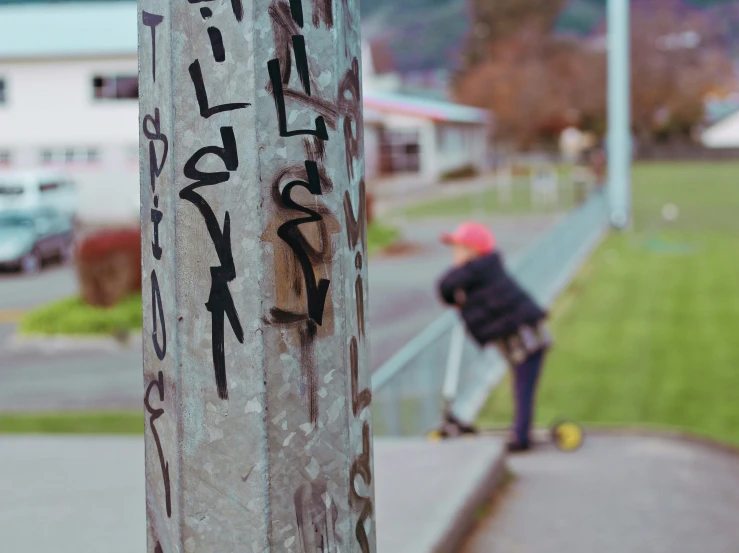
(158,548)
(155,134)
(359,294)
(290,234)
(350,106)
(316,514)
(152,20)
(152,127)
(279,96)
(356,228)
(363,399)
(154,415)
(301,62)
(157,309)
(361,504)
(216,44)
(286,23)
(220,302)
(200,93)
(156,219)
(296,11)
(238,9)
(206,13)
(236,6)
(283,28)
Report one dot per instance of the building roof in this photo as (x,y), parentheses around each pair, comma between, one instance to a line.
(99,28)
(414,106)
(68,29)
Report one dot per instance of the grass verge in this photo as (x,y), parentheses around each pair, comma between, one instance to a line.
(73,316)
(105,422)
(646,332)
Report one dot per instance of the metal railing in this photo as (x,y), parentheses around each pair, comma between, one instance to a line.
(407,389)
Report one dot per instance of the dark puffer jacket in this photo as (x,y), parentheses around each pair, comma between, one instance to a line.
(494,306)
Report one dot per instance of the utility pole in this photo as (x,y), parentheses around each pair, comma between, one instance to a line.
(619,114)
(257,390)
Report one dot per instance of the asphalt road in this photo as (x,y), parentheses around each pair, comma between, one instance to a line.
(402,302)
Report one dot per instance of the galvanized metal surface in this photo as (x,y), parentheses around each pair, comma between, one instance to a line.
(620,149)
(258,428)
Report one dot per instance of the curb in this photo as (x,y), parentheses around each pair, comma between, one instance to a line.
(666,433)
(71,344)
(456,534)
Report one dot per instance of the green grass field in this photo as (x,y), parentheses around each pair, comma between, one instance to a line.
(647,332)
(106,422)
(489,202)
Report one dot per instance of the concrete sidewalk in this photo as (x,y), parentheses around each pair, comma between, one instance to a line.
(86,494)
(619,494)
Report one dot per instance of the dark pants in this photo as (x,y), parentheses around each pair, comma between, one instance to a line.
(525,378)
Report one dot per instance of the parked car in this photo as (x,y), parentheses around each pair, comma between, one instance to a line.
(38,191)
(28,239)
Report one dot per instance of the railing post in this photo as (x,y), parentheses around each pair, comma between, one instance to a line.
(619,114)
(257,391)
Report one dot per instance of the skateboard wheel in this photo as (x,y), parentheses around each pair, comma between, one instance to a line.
(568,436)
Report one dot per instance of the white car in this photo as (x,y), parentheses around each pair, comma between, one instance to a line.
(34,191)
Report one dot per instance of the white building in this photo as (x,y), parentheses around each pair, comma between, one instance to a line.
(68,100)
(724,134)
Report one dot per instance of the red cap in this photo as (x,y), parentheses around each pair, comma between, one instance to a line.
(475,236)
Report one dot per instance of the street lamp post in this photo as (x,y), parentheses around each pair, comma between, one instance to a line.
(619,114)
(257,391)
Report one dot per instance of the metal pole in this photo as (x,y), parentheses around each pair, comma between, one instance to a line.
(453,365)
(619,114)
(257,390)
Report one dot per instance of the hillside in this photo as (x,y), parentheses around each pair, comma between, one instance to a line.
(428,34)
(423,35)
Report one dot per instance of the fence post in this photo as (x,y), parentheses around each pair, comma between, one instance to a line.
(257,391)
(619,113)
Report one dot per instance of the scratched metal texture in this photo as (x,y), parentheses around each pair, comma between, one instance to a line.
(284,462)
(408,388)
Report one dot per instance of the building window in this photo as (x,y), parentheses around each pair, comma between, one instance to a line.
(400,151)
(117,87)
(62,156)
(5,157)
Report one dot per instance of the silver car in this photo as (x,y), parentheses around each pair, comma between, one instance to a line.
(27,240)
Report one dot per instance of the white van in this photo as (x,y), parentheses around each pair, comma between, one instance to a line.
(38,191)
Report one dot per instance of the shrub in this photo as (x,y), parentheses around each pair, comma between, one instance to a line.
(109,266)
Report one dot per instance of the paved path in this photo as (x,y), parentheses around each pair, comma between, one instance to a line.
(402,301)
(618,494)
(86,495)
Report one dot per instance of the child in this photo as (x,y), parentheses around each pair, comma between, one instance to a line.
(497,311)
